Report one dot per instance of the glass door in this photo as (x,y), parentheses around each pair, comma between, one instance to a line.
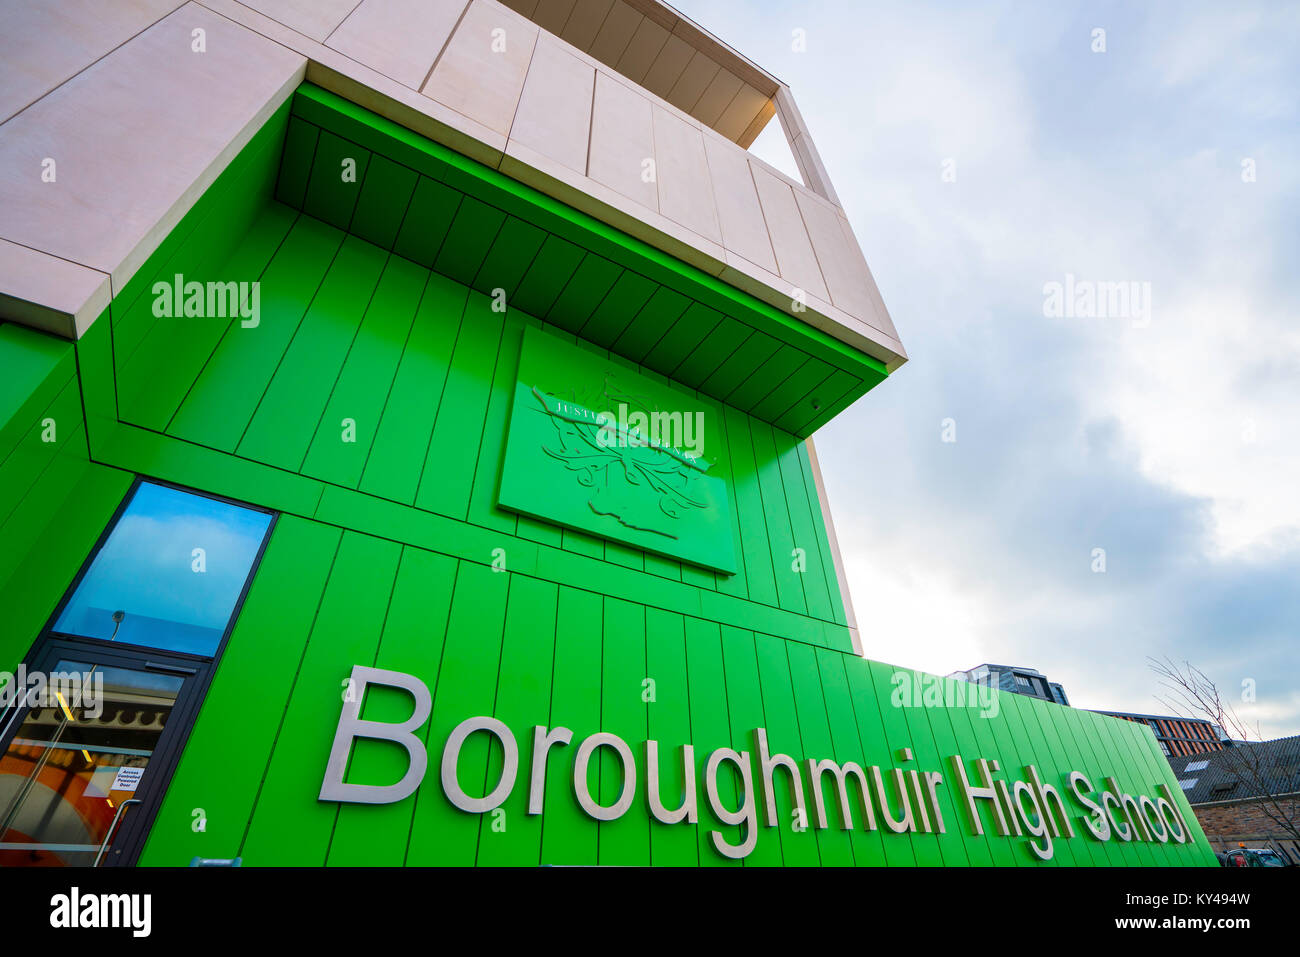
(86,748)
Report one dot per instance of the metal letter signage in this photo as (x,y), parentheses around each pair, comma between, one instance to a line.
(1031,808)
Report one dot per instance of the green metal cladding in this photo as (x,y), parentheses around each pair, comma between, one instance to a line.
(377,306)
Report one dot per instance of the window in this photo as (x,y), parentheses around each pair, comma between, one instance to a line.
(1197,766)
(170,573)
(1187,783)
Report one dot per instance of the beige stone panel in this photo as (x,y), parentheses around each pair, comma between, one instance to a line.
(41,291)
(526,7)
(717,97)
(44,43)
(621,140)
(692,82)
(642,50)
(554,115)
(737,115)
(882,320)
(739,214)
(553,14)
(398,38)
(682,172)
(668,66)
(810,165)
(333,71)
(473,79)
(794,252)
(315,19)
(608,206)
(585,22)
(616,34)
(137,138)
(841,263)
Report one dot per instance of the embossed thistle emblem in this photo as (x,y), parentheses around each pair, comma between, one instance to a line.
(631,458)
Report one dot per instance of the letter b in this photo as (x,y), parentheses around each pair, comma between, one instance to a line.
(352,726)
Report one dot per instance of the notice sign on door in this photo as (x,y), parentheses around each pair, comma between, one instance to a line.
(127,779)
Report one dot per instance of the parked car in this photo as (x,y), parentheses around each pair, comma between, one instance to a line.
(1252,857)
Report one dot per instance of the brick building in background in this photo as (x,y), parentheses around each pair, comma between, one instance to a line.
(1233,789)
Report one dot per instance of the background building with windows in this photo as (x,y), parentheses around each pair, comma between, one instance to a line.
(465,342)
(1016,679)
(1179,736)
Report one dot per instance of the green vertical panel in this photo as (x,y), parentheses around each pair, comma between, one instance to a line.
(769,376)
(337,172)
(402,441)
(834,843)
(868,846)
(1068,756)
(36,366)
(685,334)
(535,530)
(469,238)
(622,712)
(717,447)
(547,276)
(593,278)
(949,729)
(223,398)
(160,373)
(1159,771)
(351,418)
(523,696)
(513,250)
(626,299)
(739,365)
(441,833)
(928,755)
(483,508)
(624,555)
(236,731)
(295,163)
(582,543)
(981,736)
(36,584)
(671,845)
(651,324)
(711,728)
(384,197)
(776,512)
(1117,762)
(820,523)
(707,353)
(799,383)
(288,415)
(375,835)
(1095,760)
(869,707)
(828,399)
(1020,749)
(59,421)
(449,467)
(346,632)
(430,212)
(568,835)
(759,577)
(805,536)
(798,846)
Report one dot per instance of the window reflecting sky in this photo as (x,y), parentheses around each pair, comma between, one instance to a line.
(173,596)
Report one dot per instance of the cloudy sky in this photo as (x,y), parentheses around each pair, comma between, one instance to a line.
(1170,438)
